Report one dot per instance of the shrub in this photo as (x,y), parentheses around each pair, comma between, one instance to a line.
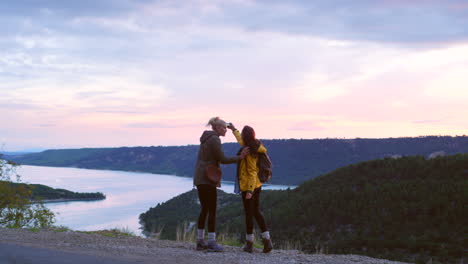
(16,208)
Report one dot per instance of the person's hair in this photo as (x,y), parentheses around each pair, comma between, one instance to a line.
(248,136)
(215,121)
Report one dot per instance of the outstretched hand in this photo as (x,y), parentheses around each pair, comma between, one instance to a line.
(245,151)
(231,126)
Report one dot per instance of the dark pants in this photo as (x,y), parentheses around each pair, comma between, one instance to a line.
(208,199)
(252,210)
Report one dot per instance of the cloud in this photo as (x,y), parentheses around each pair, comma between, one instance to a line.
(405,23)
(75,8)
(160,125)
(318,87)
(19,105)
(382,21)
(449,83)
(306,127)
(129,24)
(114,66)
(426,121)
(46,125)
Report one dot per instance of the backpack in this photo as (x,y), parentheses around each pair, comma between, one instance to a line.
(264,167)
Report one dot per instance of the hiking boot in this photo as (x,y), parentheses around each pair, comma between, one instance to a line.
(201,244)
(248,246)
(214,247)
(267,245)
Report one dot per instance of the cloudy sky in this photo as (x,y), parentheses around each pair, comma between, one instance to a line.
(108,73)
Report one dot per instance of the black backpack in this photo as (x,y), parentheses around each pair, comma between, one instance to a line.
(264,167)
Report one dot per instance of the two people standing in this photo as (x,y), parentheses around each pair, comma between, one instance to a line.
(210,152)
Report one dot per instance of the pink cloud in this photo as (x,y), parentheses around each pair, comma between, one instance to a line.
(305,127)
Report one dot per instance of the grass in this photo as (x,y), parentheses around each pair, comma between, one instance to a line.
(115,232)
(34,229)
(187,232)
(60,229)
(51,228)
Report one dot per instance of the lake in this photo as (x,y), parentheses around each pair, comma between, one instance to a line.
(128,195)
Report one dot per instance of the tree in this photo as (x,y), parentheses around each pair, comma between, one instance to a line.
(16,208)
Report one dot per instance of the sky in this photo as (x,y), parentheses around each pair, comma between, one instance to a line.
(112,73)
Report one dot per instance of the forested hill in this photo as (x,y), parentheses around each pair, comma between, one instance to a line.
(39,192)
(294,160)
(411,209)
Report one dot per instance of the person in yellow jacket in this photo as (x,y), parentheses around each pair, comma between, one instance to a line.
(250,186)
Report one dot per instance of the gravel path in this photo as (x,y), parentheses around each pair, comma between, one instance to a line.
(145,250)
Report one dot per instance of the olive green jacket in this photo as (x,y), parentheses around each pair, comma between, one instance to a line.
(210,152)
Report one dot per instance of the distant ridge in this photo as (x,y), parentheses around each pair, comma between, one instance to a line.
(294,160)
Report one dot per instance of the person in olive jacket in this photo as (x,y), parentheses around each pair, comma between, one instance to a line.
(210,152)
(251,187)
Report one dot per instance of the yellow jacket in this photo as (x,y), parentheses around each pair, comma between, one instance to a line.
(248,170)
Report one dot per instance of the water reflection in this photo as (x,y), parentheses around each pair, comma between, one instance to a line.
(128,194)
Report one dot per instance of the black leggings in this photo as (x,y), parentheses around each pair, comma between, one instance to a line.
(252,209)
(208,199)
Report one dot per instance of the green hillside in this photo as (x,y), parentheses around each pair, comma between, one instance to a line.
(410,209)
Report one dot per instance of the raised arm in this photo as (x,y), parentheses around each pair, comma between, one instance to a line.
(237,134)
(238,137)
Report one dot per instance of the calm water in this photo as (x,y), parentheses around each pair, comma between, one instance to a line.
(128,195)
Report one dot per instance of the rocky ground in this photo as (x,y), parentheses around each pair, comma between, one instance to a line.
(145,250)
